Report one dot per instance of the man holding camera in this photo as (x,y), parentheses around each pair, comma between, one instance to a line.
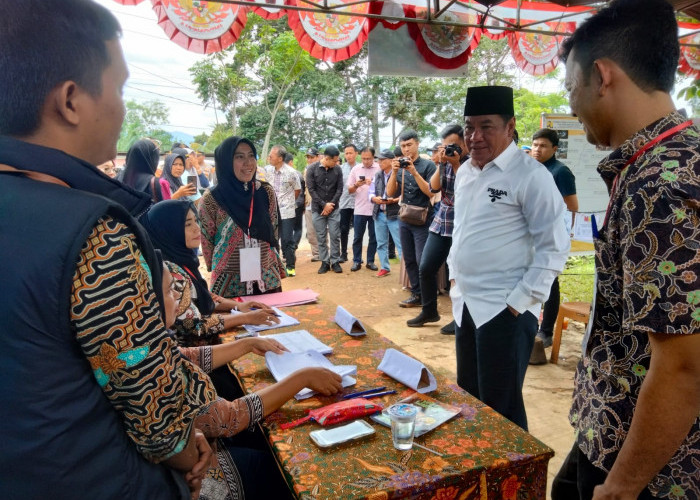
(360,178)
(409,181)
(510,242)
(451,154)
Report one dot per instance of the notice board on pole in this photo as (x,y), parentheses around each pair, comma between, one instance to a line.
(582,158)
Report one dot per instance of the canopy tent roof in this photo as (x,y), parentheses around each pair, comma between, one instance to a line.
(445,31)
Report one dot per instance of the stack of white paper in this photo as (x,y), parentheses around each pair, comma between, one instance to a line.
(285,320)
(283,365)
(300,341)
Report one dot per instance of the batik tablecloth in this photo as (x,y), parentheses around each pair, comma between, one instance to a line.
(485,456)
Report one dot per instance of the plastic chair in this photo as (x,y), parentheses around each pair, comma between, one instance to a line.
(578,311)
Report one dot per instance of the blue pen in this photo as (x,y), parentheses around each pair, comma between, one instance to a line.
(361,393)
(378,394)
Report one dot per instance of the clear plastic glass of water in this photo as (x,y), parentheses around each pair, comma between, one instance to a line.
(403,423)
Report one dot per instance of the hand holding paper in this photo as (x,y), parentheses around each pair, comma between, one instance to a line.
(410,372)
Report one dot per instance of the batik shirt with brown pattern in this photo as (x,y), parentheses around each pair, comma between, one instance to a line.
(647,264)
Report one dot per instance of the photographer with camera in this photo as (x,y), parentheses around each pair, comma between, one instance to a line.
(408,180)
(451,154)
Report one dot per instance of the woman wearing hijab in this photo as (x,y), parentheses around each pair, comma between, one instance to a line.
(140,168)
(174,230)
(170,182)
(239,219)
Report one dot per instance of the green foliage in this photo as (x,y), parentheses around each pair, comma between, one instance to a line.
(144,120)
(692,95)
(216,137)
(529,107)
(576,282)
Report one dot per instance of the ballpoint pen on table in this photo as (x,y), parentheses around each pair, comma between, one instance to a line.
(361,393)
(377,394)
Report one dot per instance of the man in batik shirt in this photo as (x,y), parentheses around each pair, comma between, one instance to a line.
(637,395)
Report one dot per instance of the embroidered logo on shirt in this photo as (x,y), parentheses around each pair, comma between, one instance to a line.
(496,194)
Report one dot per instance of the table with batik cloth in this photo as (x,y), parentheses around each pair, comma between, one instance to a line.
(484,457)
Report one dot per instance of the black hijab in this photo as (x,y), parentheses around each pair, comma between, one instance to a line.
(235,200)
(175,182)
(165,223)
(141,164)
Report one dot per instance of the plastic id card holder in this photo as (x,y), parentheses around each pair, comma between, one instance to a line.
(250,264)
(325,438)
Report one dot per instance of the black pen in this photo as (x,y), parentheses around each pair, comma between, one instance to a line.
(378,394)
(361,393)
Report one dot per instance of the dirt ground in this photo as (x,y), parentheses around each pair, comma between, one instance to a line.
(375,301)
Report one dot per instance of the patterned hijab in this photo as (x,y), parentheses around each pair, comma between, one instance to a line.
(232,196)
(165,223)
(174,182)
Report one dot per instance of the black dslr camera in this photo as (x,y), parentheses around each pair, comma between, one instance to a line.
(404,162)
(452,149)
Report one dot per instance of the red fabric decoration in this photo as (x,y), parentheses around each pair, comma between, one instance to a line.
(538,54)
(330,37)
(205,28)
(273,10)
(445,47)
(377,8)
(335,413)
(689,62)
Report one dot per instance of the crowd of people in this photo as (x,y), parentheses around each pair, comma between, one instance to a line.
(113,380)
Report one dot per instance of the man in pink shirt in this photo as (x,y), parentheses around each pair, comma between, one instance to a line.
(358,184)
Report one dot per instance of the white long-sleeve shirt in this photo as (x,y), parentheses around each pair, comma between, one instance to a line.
(510,238)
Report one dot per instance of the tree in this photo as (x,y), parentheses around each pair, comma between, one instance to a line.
(144,120)
(529,106)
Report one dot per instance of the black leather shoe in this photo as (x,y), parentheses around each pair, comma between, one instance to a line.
(412,301)
(449,328)
(372,266)
(324,268)
(336,268)
(356,267)
(422,319)
(344,258)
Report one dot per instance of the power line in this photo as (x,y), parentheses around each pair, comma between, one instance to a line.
(162,77)
(199,104)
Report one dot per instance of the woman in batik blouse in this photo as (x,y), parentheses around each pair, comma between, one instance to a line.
(239,219)
(236,471)
(174,230)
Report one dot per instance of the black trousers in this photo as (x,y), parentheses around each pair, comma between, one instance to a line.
(578,477)
(492,360)
(551,310)
(435,252)
(346,219)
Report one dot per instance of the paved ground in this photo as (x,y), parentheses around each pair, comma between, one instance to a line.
(375,302)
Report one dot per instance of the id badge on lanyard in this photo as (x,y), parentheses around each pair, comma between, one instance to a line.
(250,257)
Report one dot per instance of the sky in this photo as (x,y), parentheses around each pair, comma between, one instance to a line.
(159,69)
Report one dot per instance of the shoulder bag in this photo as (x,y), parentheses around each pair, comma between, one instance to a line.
(411,214)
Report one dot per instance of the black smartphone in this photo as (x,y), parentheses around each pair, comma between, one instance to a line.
(362,177)
(192,179)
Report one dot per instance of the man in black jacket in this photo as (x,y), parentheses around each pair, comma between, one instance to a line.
(325,182)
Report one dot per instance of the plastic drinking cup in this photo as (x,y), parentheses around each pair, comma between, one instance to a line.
(403,423)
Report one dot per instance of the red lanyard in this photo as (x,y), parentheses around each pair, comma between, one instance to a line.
(250,218)
(194,278)
(636,155)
